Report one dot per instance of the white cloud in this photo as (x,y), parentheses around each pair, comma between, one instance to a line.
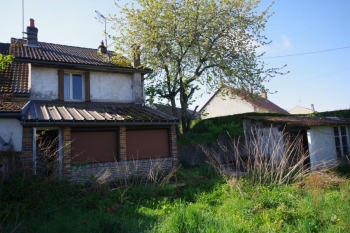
(274,48)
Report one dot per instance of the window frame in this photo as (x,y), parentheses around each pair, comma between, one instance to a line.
(339,149)
(71,90)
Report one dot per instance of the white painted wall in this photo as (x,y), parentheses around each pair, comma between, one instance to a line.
(321,146)
(224,105)
(111,87)
(11,129)
(104,86)
(44,83)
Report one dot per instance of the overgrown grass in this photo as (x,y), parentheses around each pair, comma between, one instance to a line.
(194,200)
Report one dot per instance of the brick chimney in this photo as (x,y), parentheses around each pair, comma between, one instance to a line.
(263,95)
(102,48)
(32,35)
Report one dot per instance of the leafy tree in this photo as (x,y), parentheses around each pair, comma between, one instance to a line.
(5,61)
(193,43)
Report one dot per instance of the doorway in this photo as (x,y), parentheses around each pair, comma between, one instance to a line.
(46,156)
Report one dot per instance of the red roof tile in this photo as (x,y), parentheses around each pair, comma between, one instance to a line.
(11,107)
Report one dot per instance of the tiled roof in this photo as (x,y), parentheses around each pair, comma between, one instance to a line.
(94,112)
(11,107)
(48,52)
(168,110)
(267,104)
(258,101)
(15,79)
(301,121)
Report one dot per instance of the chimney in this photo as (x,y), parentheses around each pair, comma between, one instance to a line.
(135,56)
(32,35)
(263,95)
(312,107)
(102,48)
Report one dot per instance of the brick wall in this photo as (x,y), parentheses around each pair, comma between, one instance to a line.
(27,149)
(173,145)
(122,143)
(66,147)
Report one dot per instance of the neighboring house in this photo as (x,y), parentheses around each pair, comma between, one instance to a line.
(302,110)
(224,103)
(325,139)
(70,112)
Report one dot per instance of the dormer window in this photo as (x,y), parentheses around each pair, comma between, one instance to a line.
(73,87)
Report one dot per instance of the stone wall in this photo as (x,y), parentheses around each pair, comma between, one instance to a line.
(102,172)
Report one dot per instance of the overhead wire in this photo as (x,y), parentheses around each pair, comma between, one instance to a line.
(300,54)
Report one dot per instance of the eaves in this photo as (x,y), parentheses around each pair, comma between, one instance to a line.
(83,66)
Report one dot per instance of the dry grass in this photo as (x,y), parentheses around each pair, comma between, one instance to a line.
(267,158)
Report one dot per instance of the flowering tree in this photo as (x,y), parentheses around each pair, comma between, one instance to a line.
(190,44)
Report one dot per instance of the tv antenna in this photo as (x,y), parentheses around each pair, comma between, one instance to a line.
(23,19)
(101,18)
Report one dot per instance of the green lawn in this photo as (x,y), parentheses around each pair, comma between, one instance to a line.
(194,200)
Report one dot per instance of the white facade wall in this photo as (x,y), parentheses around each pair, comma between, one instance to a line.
(11,129)
(104,86)
(226,105)
(44,83)
(111,87)
(321,146)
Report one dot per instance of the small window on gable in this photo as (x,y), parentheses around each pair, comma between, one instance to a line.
(73,87)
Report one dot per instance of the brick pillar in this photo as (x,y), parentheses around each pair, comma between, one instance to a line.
(66,147)
(122,143)
(173,144)
(27,149)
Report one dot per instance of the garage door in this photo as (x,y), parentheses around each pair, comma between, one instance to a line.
(145,144)
(97,146)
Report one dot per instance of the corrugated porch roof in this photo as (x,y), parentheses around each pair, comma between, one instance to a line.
(58,112)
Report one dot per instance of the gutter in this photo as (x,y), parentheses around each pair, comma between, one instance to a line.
(64,123)
(84,66)
(11,115)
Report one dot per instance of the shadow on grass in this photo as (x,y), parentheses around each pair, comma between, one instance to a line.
(30,204)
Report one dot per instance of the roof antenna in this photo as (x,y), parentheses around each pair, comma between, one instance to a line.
(100,18)
(23,19)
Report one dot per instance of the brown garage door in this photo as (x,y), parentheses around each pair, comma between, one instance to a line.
(97,146)
(145,144)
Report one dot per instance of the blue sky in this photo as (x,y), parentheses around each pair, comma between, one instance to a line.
(297,26)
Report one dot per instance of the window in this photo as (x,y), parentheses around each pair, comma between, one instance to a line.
(341,141)
(73,87)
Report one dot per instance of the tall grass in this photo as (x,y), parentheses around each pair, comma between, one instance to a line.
(266,157)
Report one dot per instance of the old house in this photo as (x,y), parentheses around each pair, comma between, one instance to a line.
(70,112)
(324,139)
(224,103)
(302,110)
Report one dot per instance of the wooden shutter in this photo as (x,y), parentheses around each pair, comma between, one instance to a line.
(96,146)
(60,84)
(87,86)
(145,144)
